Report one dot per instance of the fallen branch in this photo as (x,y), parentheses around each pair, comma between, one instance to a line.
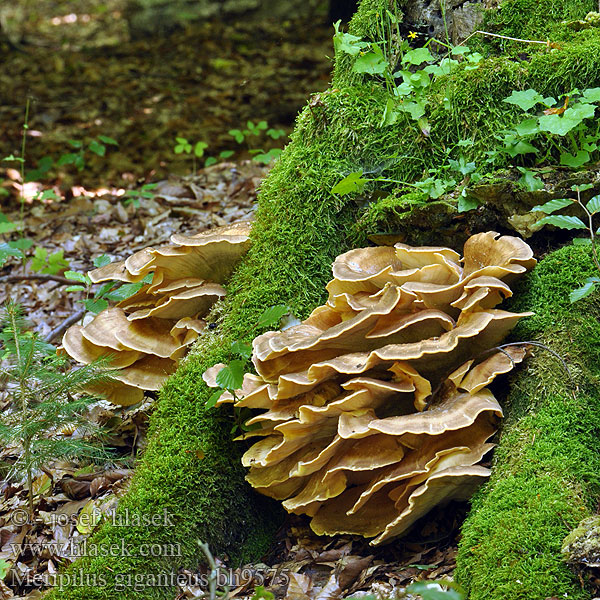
(64,325)
(41,277)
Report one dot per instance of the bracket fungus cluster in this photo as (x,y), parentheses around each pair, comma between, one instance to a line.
(377,406)
(146,334)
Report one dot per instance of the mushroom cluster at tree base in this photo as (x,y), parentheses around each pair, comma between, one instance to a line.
(377,408)
(147,333)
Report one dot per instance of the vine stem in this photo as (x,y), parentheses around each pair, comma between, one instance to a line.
(591,230)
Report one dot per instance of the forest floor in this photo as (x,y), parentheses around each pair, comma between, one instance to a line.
(82,77)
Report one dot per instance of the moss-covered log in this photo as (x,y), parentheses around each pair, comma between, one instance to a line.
(546,474)
(191,470)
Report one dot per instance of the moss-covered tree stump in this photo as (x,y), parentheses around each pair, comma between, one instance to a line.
(191,471)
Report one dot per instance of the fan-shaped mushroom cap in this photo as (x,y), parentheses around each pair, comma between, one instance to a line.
(117,392)
(455,483)
(148,373)
(482,293)
(113,271)
(85,352)
(486,252)
(150,336)
(192,301)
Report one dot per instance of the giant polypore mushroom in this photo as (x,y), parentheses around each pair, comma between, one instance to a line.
(376,407)
(146,334)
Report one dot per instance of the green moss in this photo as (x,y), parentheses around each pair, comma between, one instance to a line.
(534,20)
(546,474)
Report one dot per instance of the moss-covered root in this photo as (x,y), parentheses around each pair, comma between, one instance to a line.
(546,476)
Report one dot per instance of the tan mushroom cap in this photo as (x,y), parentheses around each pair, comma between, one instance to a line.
(117,392)
(486,250)
(85,352)
(193,301)
(150,335)
(455,483)
(431,449)
(148,373)
(113,271)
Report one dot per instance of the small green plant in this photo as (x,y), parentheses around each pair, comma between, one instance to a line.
(44,400)
(437,590)
(231,377)
(589,209)
(134,196)
(114,291)
(77,157)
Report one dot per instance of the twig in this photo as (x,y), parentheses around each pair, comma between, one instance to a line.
(41,277)
(505,37)
(64,325)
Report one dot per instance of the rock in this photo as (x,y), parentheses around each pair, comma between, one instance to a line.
(581,548)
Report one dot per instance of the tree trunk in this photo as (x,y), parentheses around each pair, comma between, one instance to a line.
(191,471)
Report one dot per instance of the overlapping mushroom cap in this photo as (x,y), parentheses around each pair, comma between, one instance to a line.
(146,334)
(377,406)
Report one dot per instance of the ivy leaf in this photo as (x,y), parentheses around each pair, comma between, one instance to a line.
(272,316)
(563,221)
(372,63)
(553,205)
(231,377)
(529,180)
(353,182)
(241,348)
(574,161)
(417,56)
(582,292)
(594,205)
(524,100)
(467,203)
(346,42)
(592,94)
(528,127)
(415,109)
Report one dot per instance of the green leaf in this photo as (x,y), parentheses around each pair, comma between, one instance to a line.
(433,590)
(417,56)
(529,180)
(563,221)
(415,109)
(101,261)
(575,161)
(241,348)
(76,276)
(211,160)
(371,63)
(124,291)
(353,182)
(524,100)
(181,140)
(346,42)
(6,250)
(582,292)
(582,242)
(21,243)
(592,94)
(67,159)
(237,135)
(528,127)
(460,50)
(95,305)
(594,205)
(467,203)
(199,149)
(231,377)
(272,316)
(75,288)
(97,148)
(75,144)
(5,567)
(108,140)
(226,154)
(214,398)
(553,205)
